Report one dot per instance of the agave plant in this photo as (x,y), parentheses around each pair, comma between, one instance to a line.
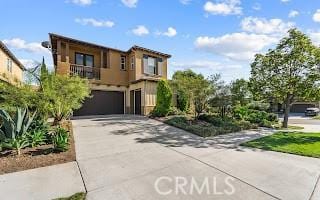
(17,126)
(60,139)
(36,138)
(17,144)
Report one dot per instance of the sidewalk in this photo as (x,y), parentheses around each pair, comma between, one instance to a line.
(44,183)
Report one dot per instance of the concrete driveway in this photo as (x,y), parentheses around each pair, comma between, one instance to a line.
(129,157)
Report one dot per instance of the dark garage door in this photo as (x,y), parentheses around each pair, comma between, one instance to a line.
(300,108)
(102,103)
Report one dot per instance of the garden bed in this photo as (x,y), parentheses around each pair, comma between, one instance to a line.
(207,127)
(41,156)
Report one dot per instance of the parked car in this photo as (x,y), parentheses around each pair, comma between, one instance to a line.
(312,111)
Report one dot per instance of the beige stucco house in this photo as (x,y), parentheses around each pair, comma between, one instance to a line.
(11,69)
(121,81)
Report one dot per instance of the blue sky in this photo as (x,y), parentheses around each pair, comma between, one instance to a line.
(208,36)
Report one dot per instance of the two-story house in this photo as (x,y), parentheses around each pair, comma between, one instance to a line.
(11,69)
(121,81)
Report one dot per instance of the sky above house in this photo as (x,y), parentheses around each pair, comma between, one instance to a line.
(207,36)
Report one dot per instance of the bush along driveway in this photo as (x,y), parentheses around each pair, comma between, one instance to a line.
(122,157)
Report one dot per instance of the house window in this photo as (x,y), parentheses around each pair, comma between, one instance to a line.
(132,62)
(9,65)
(149,65)
(123,63)
(84,59)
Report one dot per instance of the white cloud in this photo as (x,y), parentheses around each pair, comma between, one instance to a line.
(293,13)
(140,30)
(82,2)
(20,44)
(224,7)
(315,37)
(94,22)
(285,1)
(235,46)
(130,3)
(204,64)
(171,32)
(185,2)
(316,16)
(264,26)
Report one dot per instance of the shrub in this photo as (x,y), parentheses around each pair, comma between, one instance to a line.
(17,126)
(272,117)
(256,116)
(60,139)
(36,138)
(245,125)
(216,121)
(62,95)
(175,111)
(39,124)
(182,101)
(240,112)
(164,97)
(266,123)
(16,143)
(257,105)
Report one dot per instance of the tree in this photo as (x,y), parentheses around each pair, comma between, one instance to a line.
(164,98)
(289,71)
(240,93)
(182,101)
(221,95)
(13,96)
(196,88)
(62,95)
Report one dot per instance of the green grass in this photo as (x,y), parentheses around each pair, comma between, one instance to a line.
(77,196)
(290,127)
(316,117)
(299,143)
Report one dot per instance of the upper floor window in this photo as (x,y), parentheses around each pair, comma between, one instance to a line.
(123,62)
(149,65)
(9,65)
(132,62)
(84,59)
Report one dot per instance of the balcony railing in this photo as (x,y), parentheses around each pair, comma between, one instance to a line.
(85,71)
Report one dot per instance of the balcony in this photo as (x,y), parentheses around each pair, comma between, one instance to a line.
(85,71)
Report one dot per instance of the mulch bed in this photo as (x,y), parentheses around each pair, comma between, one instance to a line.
(42,156)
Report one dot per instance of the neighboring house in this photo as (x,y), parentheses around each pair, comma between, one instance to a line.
(121,81)
(11,69)
(296,107)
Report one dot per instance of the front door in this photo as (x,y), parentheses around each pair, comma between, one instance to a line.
(137,102)
(132,102)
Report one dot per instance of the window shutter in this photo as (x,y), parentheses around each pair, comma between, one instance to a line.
(160,66)
(145,64)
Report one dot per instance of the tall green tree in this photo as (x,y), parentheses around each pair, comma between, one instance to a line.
(164,98)
(240,93)
(289,71)
(62,95)
(195,87)
(221,95)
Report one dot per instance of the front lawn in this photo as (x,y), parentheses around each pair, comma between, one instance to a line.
(299,143)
